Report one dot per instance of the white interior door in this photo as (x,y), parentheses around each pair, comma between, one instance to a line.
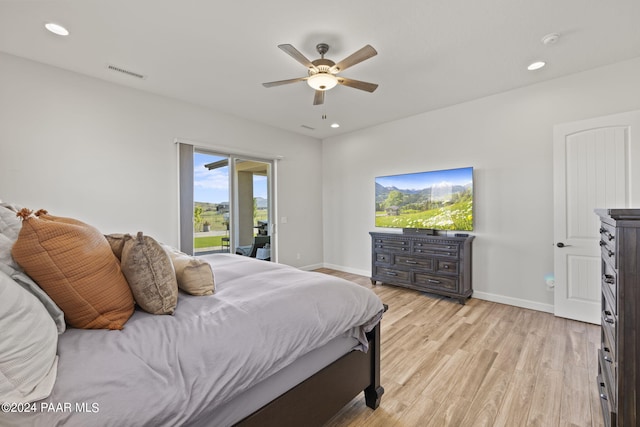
(592,169)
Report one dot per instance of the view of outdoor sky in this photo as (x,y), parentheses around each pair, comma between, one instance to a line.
(212,186)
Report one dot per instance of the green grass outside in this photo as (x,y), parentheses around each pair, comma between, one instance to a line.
(458,216)
(217,222)
(207,241)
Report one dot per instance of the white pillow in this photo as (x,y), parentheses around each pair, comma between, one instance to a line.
(10,227)
(28,361)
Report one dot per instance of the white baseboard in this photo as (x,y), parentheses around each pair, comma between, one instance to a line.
(365,273)
(311,267)
(486,296)
(517,302)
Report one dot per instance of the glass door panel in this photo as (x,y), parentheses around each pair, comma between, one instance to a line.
(211,208)
(251,208)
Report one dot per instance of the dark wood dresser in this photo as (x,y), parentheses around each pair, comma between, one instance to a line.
(619,354)
(435,264)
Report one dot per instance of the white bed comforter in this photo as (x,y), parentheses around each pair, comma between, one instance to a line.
(175,370)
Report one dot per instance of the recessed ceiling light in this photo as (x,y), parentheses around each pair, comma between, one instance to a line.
(335,125)
(56,29)
(536,65)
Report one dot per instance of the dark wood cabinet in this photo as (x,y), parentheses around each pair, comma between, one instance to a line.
(435,264)
(619,353)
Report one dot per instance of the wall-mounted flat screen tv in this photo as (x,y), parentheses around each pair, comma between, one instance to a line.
(439,200)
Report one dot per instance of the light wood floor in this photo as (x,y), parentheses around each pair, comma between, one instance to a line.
(481,364)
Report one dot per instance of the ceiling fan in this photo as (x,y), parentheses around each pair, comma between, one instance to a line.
(323,72)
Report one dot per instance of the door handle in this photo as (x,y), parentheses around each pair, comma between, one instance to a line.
(561,245)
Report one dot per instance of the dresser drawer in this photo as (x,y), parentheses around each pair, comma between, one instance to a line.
(609,416)
(444,266)
(608,253)
(610,283)
(414,262)
(608,243)
(436,249)
(436,282)
(384,258)
(608,355)
(609,320)
(391,245)
(608,378)
(392,275)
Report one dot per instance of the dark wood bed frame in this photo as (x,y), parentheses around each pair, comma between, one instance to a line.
(318,398)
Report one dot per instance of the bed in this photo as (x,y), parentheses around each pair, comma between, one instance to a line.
(272,346)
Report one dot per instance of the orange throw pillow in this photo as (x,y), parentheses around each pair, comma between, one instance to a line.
(73,263)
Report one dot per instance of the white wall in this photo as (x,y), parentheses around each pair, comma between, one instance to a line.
(105,154)
(508,139)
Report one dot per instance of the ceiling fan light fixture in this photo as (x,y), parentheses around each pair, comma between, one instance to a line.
(322,81)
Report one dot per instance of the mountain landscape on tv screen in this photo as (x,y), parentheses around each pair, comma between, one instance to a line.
(441,206)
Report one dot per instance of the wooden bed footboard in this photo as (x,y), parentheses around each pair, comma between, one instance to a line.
(315,400)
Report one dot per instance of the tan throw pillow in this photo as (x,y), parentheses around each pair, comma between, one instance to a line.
(116,241)
(194,275)
(73,263)
(150,274)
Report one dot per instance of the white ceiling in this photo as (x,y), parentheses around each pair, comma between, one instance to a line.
(431,53)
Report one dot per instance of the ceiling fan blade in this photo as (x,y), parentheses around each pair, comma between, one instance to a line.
(284,82)
(357,84)
(295,54)
(318,98)
(355,58)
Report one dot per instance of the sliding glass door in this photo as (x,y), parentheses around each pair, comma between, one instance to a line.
(232,204)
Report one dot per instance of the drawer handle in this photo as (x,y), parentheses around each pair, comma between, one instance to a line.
(602,243)
(602,230)
(607,234)
(609,279)
(610,253)
(608,359)
(603,396)
(433,281)
(608,319)
(446,266)
(410,262)
(391,273)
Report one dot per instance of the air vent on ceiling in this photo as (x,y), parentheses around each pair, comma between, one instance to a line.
(127,72)
(307,127)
